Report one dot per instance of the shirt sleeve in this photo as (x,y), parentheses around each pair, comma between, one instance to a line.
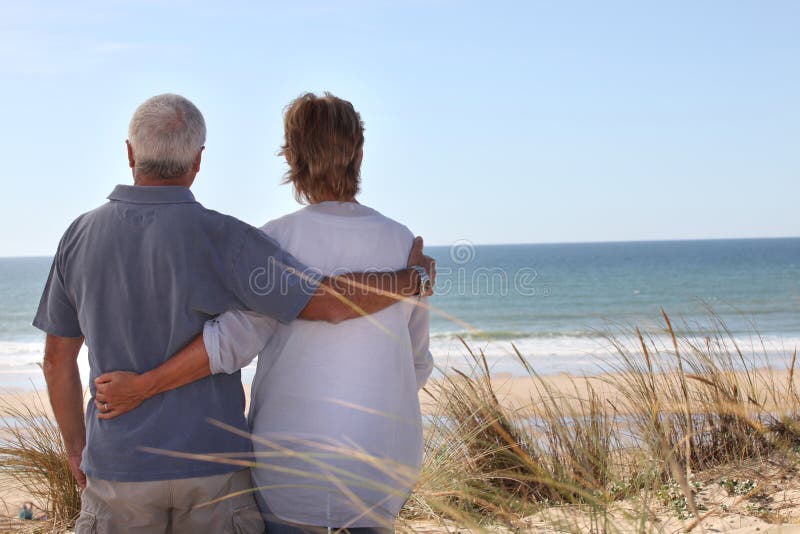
(57,314)
(233,339)
(269,280)
(419,328)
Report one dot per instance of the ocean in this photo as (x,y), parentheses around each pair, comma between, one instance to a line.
(552,301)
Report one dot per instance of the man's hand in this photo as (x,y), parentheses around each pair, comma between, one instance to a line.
(74,459)
(417,257)
(118,392)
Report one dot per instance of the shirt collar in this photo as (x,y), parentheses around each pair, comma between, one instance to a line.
(159,194)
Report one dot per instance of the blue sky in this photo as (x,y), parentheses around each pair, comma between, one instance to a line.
(494,122)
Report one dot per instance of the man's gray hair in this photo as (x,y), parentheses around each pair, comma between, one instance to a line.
(166,133)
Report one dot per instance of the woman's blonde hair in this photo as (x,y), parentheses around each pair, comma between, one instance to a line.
(323,140)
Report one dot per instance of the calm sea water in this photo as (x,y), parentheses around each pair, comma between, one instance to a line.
(551,301)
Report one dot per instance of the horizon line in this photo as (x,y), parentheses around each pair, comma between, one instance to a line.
(601,242)
(619,241)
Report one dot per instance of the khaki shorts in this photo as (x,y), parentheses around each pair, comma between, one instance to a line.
(170,506)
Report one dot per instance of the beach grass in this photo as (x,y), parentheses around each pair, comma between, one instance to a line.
(672,436)
(619,452)
(33,462)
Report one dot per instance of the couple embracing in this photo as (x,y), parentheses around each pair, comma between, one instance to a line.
(173,299)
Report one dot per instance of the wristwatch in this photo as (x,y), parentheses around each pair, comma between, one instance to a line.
(424,280)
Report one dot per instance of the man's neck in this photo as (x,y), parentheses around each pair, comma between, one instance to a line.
(149,181)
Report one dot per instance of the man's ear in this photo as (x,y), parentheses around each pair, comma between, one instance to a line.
(196,166)
(131,161)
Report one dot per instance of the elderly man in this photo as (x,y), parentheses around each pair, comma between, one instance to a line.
(136,279)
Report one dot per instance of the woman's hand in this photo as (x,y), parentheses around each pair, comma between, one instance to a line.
(118,392)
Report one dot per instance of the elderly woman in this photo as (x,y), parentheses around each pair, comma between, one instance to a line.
(334,414)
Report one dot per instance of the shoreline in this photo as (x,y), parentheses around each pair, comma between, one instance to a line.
(554,355)
(513,391)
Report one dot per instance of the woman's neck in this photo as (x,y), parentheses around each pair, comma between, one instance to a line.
(331,198)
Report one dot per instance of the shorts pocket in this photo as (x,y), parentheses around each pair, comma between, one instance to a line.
(86,523)
(247,520)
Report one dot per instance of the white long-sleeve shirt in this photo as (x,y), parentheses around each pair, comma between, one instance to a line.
(334,412)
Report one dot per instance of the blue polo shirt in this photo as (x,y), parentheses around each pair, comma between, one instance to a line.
(139,277)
